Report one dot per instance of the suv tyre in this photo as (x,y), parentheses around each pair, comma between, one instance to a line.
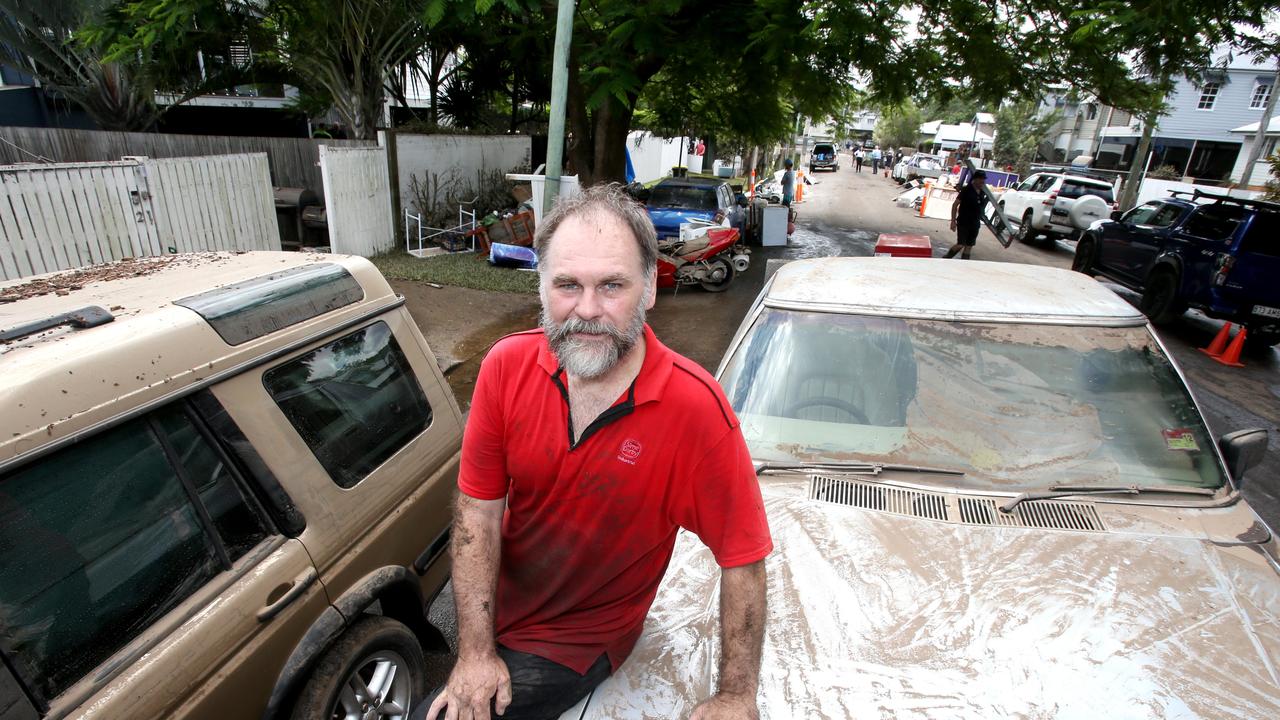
(1160,301)
(1083,260)
(1026,233)
(374,669)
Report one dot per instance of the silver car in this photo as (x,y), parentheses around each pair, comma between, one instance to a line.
(992,495)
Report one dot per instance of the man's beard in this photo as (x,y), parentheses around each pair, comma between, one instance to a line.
(591,358)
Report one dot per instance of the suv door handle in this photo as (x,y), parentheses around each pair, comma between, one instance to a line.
(292,591)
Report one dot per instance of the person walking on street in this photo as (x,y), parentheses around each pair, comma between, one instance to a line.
(788,183)
(573,486)
(875,160)
(858,157)
(966,215)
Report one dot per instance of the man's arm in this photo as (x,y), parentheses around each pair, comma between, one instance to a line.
(479,674)
(742,614)
(955,210)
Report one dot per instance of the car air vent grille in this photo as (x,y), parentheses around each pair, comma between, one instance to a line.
(1048,514)
(878,497)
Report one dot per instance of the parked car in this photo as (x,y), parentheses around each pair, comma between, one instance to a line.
(921,165)
(899,170)
(1222,258)
(991,494)
(824,157)
(770,189)
(1043,203)
(674,201)
(225,488)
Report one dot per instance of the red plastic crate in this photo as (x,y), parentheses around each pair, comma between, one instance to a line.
(894,245)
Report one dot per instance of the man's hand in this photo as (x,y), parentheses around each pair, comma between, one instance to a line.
(724,706)
(472,684)
(953,225)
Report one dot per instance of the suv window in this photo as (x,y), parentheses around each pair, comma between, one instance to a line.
(1073,189)
(1143,214)
(1215,222)
(100,540)
(1167,216)
(682,196)
(824,148)
(1044,183)
(1263,235)
(354,401)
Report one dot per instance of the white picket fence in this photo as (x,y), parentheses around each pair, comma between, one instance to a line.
(70,215)
(357,198)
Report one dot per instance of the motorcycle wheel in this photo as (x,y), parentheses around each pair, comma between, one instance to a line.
(722,284)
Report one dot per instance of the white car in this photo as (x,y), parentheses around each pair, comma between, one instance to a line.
(991,494)
(1045,204)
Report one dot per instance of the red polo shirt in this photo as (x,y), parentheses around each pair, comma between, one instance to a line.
(589,528)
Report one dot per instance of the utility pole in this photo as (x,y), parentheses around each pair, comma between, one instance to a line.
(1260,137)
(559,94)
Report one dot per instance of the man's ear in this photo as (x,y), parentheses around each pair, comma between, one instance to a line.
(652,291)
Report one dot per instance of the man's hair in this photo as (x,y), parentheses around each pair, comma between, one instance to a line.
(786,163)
(596,201)
(979,174)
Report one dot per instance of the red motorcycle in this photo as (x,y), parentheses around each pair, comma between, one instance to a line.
(709,256)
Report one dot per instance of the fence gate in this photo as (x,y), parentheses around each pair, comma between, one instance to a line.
(357,198)
(69,215)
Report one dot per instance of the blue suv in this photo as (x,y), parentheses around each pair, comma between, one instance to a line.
(1221,257)
(680,200)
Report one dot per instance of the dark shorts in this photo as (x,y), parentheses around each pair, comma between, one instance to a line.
(540,689)
(967,234)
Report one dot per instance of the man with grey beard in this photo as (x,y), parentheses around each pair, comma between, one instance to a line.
(588,446)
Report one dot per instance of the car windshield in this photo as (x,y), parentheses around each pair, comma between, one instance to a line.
(683,196)
(926,163)
(1013,406)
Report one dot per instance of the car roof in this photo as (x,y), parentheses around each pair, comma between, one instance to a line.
(63,381)
(933,288)
(1079,178)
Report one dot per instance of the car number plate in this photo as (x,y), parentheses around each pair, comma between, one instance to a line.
(1265,311)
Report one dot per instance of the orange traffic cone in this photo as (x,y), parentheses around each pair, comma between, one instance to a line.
(1232,355)
(1219,342)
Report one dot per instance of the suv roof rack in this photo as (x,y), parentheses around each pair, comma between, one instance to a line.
(86,317)
(1197,193)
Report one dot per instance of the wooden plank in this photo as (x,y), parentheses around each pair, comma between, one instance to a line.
(42,259)
(30,261)
(53,238)
(118,191)
(168,218)
(193,197)
(60,189)
(180,213)
(87,200)
(146,205)
(14,262)
(230,175)
(115,238)
(266,203)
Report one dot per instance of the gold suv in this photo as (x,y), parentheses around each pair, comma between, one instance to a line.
(225,483)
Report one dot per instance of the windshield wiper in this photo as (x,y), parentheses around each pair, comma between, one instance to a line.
(1057,491)
(853,468)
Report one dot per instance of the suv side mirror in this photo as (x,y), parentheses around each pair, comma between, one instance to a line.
(1242,450)
(1115,215)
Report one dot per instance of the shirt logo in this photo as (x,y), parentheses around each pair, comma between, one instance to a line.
(629,452)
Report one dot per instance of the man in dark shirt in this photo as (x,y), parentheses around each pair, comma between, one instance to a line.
(966,215)
(788,183)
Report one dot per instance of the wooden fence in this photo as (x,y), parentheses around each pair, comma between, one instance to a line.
(294,162)
(357,198)
(64,216)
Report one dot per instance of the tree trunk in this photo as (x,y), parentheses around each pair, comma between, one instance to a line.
(1129,194)
(1260,137)
(611,123)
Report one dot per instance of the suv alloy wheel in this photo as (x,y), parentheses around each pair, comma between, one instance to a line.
(376,669)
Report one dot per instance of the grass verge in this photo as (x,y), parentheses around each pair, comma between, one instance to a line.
(460,270)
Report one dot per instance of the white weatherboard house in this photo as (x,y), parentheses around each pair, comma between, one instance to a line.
(1199,135)
(1261,169)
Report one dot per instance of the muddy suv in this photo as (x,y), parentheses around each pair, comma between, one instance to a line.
(224,491)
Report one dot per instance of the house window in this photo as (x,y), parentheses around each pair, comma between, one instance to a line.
(1261,94)
(1208,95)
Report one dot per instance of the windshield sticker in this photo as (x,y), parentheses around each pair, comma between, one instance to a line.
(1179,439)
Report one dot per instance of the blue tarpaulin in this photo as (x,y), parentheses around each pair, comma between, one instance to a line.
(631,170)
(516,256)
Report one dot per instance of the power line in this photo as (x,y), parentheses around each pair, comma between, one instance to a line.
(24,150)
